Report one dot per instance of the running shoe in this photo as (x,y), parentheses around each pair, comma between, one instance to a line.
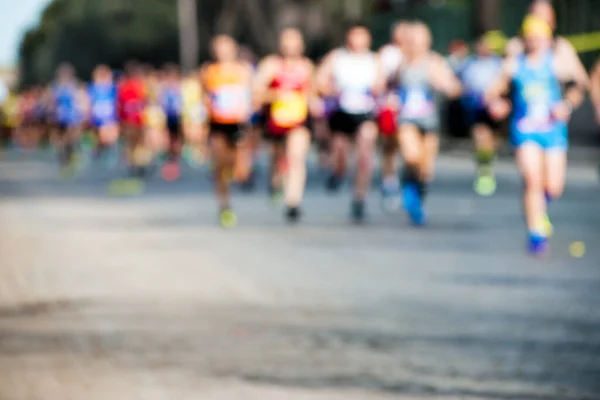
(357,211)
(171,171)
(333,183)
(227,218)
(412,204)
(293,214)
(485,185)
(537,244)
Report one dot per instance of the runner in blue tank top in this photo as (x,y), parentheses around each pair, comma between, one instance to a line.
(540,114)
(102,93)
(67,115)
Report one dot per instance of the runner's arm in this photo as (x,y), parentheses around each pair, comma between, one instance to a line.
(262,80)
(324,75)
(444,79)
(595,90)
(513,48)
(570,71)
(204,87)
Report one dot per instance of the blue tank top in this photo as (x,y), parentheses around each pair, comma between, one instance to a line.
(536,90)
(103,97)
(65,100)
(171,100)
(476,76)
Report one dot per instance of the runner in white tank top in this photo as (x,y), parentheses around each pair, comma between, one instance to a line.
(352,75)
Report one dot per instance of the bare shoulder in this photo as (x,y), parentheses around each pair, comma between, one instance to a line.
(513,47)
(509,65)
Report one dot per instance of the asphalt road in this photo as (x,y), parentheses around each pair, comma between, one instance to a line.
(147,298)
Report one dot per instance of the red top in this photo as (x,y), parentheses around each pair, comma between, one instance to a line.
(295,77)
(131,98)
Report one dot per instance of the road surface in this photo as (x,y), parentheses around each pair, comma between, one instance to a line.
(146,298)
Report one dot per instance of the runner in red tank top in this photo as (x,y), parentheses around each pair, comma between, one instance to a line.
(131,103)
(285,83)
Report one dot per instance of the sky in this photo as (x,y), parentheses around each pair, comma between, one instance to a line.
(16,16)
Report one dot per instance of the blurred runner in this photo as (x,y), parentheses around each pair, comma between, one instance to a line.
(9,115)
(477,74)
(458,53)
(67,117)
(194,119)
(132,97)
(352,75)
(284,82)
(103,112)
(172,104)
(256,127)
(422,74)
(390,58)
(154,118)
(539,121)
(227,86)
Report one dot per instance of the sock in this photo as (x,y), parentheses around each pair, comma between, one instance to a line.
(423,189)
(410,174)
(548,198)
(484,160)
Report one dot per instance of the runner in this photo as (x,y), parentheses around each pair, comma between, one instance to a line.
(390,57)
(154,118)
(422,75)
(67,117)
(9,117)
(227,86)
(132,97)
(284,83)
(103,112)
(477,74)
(351,74)
(539,122)
(172,105)
(194,119)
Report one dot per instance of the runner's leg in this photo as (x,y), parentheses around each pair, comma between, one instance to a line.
(297,146)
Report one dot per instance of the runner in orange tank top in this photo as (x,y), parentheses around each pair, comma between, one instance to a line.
(285,82)
(227,86)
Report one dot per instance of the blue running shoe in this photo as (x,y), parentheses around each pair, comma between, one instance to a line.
(412,204)
(538,244)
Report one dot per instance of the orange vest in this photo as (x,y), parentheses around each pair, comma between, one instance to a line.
(230,93)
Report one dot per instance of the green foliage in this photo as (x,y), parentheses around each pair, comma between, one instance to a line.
(89,32)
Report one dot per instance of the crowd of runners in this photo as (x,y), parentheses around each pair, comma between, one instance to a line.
(352,104)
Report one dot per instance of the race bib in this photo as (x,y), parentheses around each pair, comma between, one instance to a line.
(103,109)
(231,102)
(539,111)
(417,104)
(356,102)
(289,111)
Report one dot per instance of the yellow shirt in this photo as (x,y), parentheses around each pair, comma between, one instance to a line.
(10,111)
(193,109)
(154,117)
